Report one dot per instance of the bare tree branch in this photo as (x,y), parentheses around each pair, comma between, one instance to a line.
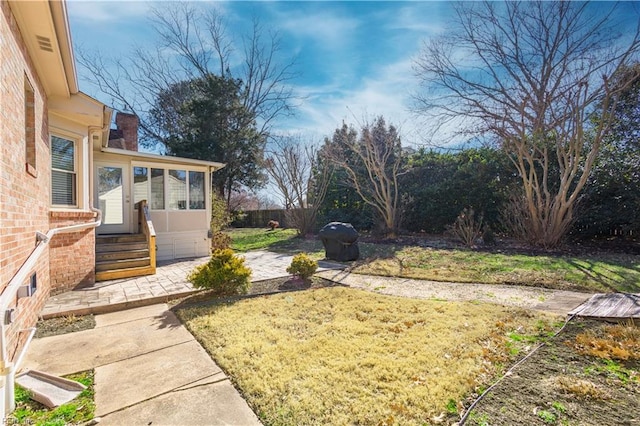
(300,178)
(193,43)
(531,75)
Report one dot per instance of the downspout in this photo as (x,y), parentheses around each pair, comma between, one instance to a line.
(7,368)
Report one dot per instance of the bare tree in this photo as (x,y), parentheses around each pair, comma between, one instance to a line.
(373,162)
(192,42)
(301,178)
(531,75)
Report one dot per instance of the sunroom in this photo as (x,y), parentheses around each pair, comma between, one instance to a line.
(177,195)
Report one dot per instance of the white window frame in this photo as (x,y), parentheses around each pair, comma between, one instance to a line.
(166,184)
(75,173)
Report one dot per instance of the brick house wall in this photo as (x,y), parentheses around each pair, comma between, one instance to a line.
(72,255)
(24,196)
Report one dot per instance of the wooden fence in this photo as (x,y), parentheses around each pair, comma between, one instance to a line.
(260,218)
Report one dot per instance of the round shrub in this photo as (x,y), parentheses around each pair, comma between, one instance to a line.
(302,266)
(224,273)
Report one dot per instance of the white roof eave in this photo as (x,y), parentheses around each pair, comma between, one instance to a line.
(162,158)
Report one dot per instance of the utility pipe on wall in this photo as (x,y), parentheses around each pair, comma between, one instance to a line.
(7,368)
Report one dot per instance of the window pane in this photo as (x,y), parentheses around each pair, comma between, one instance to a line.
(196,190)
(177,190)
(140,184)
(63,176)
(157,189)
(63,188)
(62,154)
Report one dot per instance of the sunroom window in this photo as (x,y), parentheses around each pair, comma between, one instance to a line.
(63,172)
(140,185)
(177,190)
(170,189)
(196,190)
(157,189)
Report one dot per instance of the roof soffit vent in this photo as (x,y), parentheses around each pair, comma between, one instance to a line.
(44,43)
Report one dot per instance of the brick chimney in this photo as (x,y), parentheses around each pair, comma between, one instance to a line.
(127,126)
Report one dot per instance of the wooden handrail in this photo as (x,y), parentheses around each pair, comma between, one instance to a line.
(146,227)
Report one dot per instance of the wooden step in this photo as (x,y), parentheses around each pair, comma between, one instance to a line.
(117,247)
(121,255)
(123,264)
(120,238)
(124,273)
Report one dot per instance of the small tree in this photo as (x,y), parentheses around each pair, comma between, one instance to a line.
(300,178)
(532,76)
(373,162)
(220,219)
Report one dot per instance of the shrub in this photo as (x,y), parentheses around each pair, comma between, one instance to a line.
(467,228)
(224,273)
(220,217)
(220,241)
(302,266)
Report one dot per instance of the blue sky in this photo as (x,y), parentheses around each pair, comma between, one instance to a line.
(354,58)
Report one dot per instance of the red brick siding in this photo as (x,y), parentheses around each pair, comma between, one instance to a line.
(72,255)
(24,199)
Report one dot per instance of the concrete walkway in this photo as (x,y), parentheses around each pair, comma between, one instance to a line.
(148,370)
(168,283)
(555,301)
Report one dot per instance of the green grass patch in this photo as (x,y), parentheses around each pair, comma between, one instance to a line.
(604,273)
(597,273)
(245,239)
(345,356)
(77,411)
(278,240)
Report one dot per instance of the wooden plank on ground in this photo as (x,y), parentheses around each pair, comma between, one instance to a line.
(612,305)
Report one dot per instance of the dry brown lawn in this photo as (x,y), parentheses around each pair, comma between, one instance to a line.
(343,356)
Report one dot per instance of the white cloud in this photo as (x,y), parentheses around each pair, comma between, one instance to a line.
(425,18)
(386,92)
(329,30)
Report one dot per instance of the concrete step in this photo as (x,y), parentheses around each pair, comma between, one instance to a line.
(120,238)
(122,264)
(118,247)
(124,273)
(121,255)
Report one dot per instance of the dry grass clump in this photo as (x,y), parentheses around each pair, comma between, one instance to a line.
(580,388)
(616,342)
(344,356)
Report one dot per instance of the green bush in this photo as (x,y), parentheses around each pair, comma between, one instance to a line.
(302,266)
(224,273)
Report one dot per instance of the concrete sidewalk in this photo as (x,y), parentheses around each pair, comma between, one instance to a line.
(148,370)
(169,282)
(555,301)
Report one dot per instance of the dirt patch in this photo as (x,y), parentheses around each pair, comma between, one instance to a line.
(562,385)
(274,285)
(288,284)
(64,325)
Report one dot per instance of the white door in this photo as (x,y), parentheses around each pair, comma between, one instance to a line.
(113,198)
